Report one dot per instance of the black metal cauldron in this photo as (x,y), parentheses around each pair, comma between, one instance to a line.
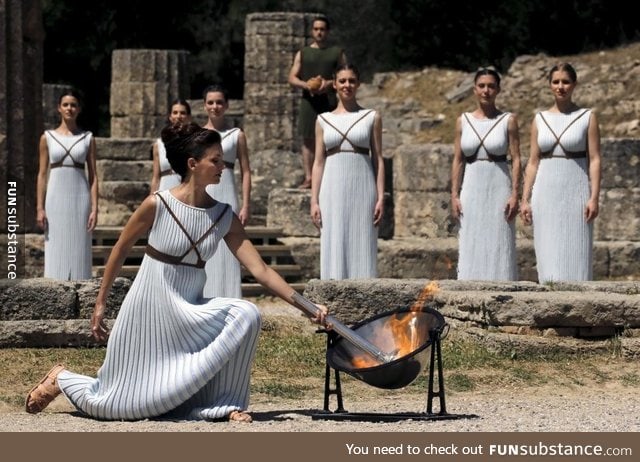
(400,372)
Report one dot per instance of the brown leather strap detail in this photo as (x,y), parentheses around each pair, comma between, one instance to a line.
(67,152)
(344,135)
(473,157)
(567,154)
(356,149)
(60,164)
(490,158)
(167,172)
(170,259)
(230,165)
(194,245)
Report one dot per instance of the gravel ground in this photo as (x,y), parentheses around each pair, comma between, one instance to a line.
(591,408)
(536,410)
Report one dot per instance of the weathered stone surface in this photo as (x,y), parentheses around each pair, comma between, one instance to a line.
(139,98)
(306,253)
(88,292)
(124,148)
(423,214)
(137,126)
(118,200)
(48,333)
(38,299)
(117,170)
(169,66)
(621,163)
(624,259)
(271,169)
(422,167)
(355,300)
(288,209)
(417,258)
(619,218)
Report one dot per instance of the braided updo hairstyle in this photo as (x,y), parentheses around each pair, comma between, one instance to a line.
(183,141)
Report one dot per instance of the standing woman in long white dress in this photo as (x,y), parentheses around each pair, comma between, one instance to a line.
(562,182)
(67,203)
(224,278)
(163,175)
(172,352)
(484,193)
(347,183)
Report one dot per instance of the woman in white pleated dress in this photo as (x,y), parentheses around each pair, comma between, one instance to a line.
(347,183)
(67,202)
(172,352)
(484,191)
(224,278)
(562,183)
(163,175)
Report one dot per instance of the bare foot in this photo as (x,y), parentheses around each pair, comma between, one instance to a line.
(44,392)
(240,416)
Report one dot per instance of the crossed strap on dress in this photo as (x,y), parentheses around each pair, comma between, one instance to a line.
(568,154)
(177,260)
(79,165)
(337,148)
(490,157)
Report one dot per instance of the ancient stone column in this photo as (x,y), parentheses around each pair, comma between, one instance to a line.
(271,104)
(21,59)
(143,84)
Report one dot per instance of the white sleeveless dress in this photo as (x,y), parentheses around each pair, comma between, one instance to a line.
(67,243)
(563,240)
(348,238)
(487,241)
(171,351)
(168,178)
(224,278)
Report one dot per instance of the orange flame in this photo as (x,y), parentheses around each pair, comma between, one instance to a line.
(403,330)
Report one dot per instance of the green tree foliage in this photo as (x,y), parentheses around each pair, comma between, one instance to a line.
(378,35)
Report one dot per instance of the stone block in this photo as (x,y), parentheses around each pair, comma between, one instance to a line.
(619,218)
(424,167)
(620,163)
(125,148)
(306,253)
(124,170)
(289,209)
(277,23)
(423,214)
(276,100)
(33,299)
(119,199)
(270,169)
(139,98)
(167,66)
(88,292)
(48,333)
(137,126)
(267,132)
(406,258)
(624,260)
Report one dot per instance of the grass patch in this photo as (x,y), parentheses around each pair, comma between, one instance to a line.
(290,364)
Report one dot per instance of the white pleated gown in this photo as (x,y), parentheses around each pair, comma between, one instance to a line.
(169,180)
(224,277)
(348,238)
(67,243)
(563,240)
(170,350)
(487,241)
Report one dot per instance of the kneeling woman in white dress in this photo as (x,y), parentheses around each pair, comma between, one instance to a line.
(173,352)
(484,193)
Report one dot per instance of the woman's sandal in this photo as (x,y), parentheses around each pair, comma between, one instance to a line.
(44,392)
(240,416)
